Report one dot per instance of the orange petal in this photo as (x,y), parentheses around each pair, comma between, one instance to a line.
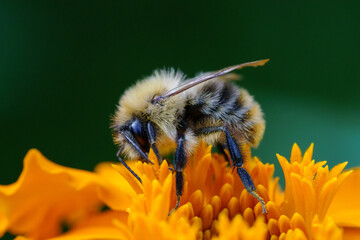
(295,154)
(273,227)
(249,216)
(297,222)
(216,204)
(118,192)
(22,238)
(345,207)
(234,207)
(326,229)
(284,223)
(336,170)
(308,154)
(351,233)
(99,226)
(47,194)
(207,216)
(197,201)
(226,193)
(161,200)
(93,233)
(273,210)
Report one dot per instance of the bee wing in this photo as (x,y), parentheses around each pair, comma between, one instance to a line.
(225,77)
(231,77)
(202,78)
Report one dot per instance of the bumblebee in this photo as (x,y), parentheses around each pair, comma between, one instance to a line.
(166,108)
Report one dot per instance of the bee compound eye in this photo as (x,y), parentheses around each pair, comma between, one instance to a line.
(136,128)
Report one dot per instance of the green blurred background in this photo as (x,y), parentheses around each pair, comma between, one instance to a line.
(64,65)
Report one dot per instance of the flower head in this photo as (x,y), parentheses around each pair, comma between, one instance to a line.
(316,203)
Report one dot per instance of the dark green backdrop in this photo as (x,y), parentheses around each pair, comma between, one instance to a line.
(64,65)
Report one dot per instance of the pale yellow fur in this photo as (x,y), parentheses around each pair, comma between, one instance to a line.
(137,101)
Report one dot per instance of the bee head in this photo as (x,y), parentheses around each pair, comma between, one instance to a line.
(136,108)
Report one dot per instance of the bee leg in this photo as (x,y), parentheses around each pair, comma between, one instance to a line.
(131,139)
(152,141)
(223,149)
(179,164)
(243,174)
(236,160)
(127,167)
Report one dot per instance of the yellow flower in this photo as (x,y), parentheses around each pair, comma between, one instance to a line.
(317,203)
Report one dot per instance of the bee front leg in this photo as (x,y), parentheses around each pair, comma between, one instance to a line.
(179,164)
(152,142)
(132,141)
(127,167)
(237,160)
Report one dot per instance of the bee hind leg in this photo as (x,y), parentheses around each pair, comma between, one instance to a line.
(179,164)
(237,160)
(249,185)
(224,151)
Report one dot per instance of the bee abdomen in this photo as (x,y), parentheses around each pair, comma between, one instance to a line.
(225,104)
(247,120)
(214,99)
